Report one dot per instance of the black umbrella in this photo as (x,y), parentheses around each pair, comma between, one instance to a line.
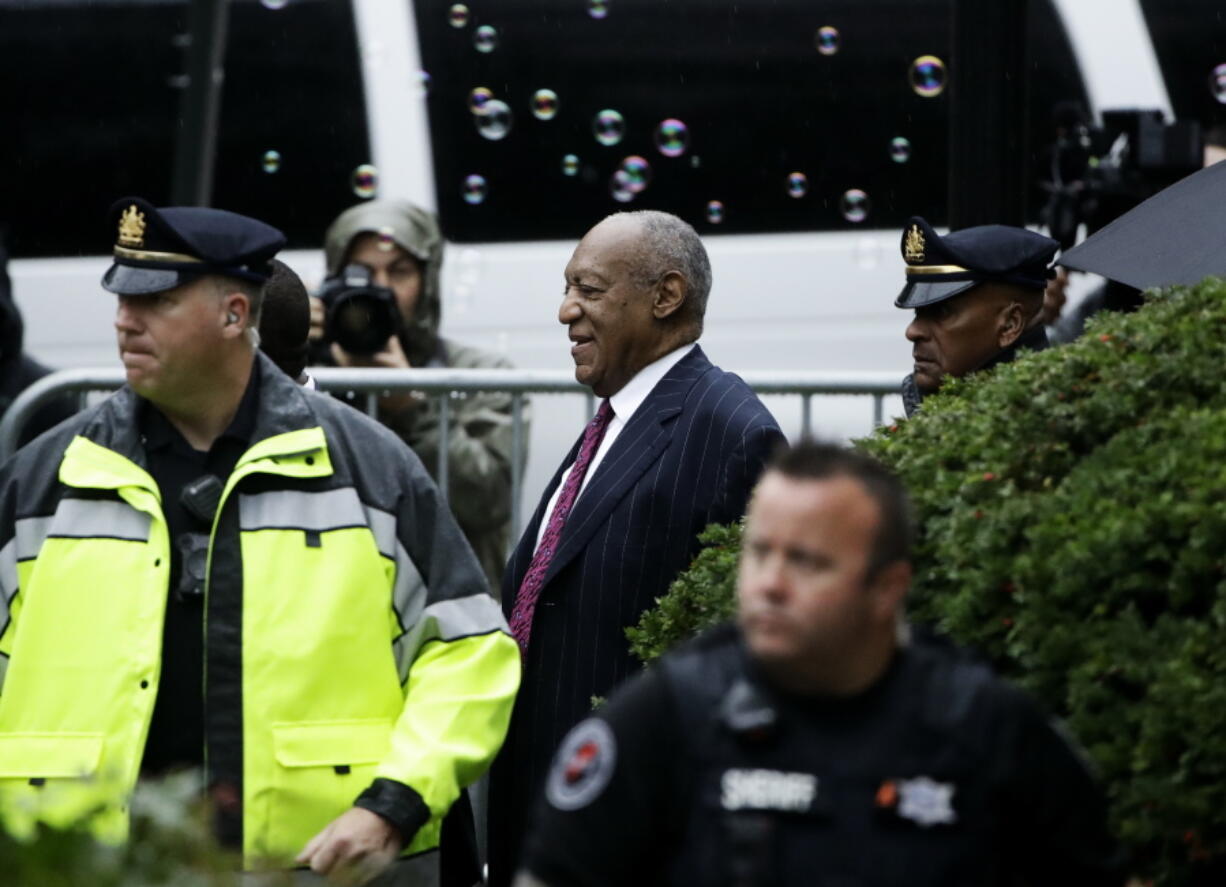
(1177,236)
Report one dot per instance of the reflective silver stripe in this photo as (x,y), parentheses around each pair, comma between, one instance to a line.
(296,510)
(99,518)
(28,536)
(448,621)
(383,526)
(409,592)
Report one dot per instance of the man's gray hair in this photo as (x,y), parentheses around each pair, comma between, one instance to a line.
(254,292)
(672,244)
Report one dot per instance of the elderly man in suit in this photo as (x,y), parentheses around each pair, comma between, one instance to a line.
(676,444)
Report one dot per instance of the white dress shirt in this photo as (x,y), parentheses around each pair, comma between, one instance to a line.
(624,403)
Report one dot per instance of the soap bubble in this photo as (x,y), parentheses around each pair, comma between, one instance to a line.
(638,173)
(385,240)
(494,121)
(798,184)
(458,15)
(1217,83)
(271,161)
(485,38)
(570,165)
(928,76)
(715,212)
(365,181)
(274,4)
(855,205)
(827,40)
(672,137)
(478,98)
(621,186)
(475,189)
(609,127)
(900,149)
(597,8)
(544,104)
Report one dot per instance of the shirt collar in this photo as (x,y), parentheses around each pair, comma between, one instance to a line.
(631,396)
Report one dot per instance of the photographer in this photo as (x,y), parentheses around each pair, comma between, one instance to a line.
(381,307)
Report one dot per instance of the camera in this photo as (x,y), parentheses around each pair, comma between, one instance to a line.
(1097,174)
(360,317)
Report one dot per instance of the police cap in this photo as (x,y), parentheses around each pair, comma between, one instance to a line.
(941,267)
(159,249)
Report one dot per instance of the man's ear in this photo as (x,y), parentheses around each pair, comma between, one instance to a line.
(890,587)
(236,312)
(1010,324)
(669,295)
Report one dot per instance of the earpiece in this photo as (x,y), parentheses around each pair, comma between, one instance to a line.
(231,317)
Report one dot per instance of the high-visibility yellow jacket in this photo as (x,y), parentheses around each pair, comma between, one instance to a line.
(353,651)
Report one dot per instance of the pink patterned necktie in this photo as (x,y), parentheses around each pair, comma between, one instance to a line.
(530,588)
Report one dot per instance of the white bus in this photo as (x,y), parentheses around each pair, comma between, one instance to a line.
(805,141)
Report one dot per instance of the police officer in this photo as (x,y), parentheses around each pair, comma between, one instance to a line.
(977,296)
(217,569)
(813,743)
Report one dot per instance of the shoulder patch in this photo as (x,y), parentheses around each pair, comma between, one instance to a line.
(583,766)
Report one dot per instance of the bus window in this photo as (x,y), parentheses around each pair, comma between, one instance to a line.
(760,99)
(96,113)
(1189,39)
(293,116)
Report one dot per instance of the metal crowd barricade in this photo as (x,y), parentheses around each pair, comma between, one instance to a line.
(444,383)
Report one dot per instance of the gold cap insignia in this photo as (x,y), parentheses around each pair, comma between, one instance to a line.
(913,245)
(132,227)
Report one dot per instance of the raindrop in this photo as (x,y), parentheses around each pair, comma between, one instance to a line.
(638,173)
(928,76)
(478,98)
(672,137)
(715,212)
(274,4)
(271,161)
(827,40)
(365,181)
(494,121)
(855,205)
(570,165)
(544,104)
(386,239)
(609,127)
(900,149)
(475,189)
(597,8)
(798,185)
(1217,83)
(485,38)
(424,82)
(458,15)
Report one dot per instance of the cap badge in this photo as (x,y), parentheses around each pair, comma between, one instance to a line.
(913,245)
(132,227)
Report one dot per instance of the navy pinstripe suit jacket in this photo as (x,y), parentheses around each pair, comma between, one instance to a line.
(688,457)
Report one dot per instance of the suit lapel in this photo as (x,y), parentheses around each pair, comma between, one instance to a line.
(638,446)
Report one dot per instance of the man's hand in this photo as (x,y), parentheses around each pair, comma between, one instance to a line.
(353,849)
(391,357)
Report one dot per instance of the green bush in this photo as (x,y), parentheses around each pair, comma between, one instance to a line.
(170,845)
(1072,516)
